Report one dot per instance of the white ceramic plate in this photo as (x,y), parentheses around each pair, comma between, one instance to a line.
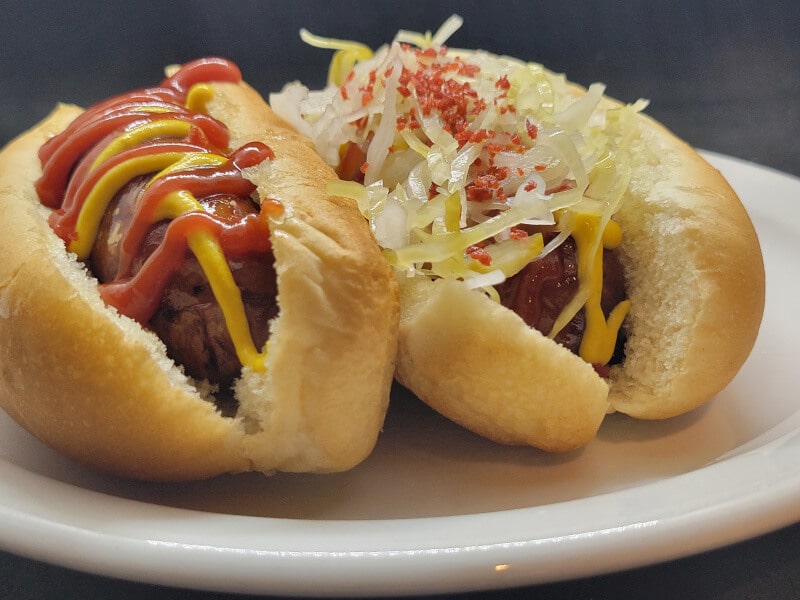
(437,509)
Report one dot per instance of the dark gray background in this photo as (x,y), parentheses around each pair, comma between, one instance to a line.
(723,75)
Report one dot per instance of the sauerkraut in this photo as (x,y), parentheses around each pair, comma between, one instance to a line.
(460,159)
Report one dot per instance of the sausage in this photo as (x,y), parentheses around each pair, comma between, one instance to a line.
(189,320)
(541,290)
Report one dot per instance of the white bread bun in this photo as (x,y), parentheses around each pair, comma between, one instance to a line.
(99,388)
(695,277)
(477,363)
(691,260)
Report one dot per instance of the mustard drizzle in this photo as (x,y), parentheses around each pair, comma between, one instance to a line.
(205,246)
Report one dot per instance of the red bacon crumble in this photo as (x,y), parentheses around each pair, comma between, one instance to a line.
(479,254)
(502,83)
(454,101)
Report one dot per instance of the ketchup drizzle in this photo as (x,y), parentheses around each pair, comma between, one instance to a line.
(68,176)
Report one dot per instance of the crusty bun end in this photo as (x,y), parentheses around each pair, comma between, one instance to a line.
(695,276)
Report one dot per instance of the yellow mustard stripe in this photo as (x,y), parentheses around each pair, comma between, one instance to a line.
(190,160)
(510,256)
(209,254)
(174,205)
(200,94)
(346,56)
(344,60)
(452,213)
(203,245)
(600,335)
(213,262)
(108,185)
(136,136)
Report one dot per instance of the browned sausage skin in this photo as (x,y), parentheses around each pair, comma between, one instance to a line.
(189,319)
(541,290)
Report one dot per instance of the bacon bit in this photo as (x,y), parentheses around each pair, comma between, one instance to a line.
(503,83)
(540,168)
(343,92)
(454,101)
(479,254)
(532,130)
(432,191)
(367,91)
(516,140)
(468,70)
(361,123)
(520,171)
(530,186)
(515,233)
(493,177)
(495,148)
(391,149)
(488,185)
(388,71)
(364,167)
(350,76)
(478,194)
(475,137)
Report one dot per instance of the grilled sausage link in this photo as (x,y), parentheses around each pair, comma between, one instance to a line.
(189,320)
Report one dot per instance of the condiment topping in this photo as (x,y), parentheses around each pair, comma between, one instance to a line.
(161,134)
(467,159)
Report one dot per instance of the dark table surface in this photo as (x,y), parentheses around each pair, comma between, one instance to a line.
(723,75)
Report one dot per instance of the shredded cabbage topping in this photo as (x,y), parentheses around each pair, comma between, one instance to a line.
(460,159)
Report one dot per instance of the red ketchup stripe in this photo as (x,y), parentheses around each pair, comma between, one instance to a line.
(200,182)
(68,177)
(141,294)
(63,221)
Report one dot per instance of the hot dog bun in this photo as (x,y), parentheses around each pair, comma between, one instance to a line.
(695,277)
(99,388)
(474,130)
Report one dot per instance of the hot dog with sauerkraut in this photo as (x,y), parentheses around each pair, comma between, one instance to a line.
(560,255)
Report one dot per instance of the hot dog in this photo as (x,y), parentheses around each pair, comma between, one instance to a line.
(180,296)
(560,254)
